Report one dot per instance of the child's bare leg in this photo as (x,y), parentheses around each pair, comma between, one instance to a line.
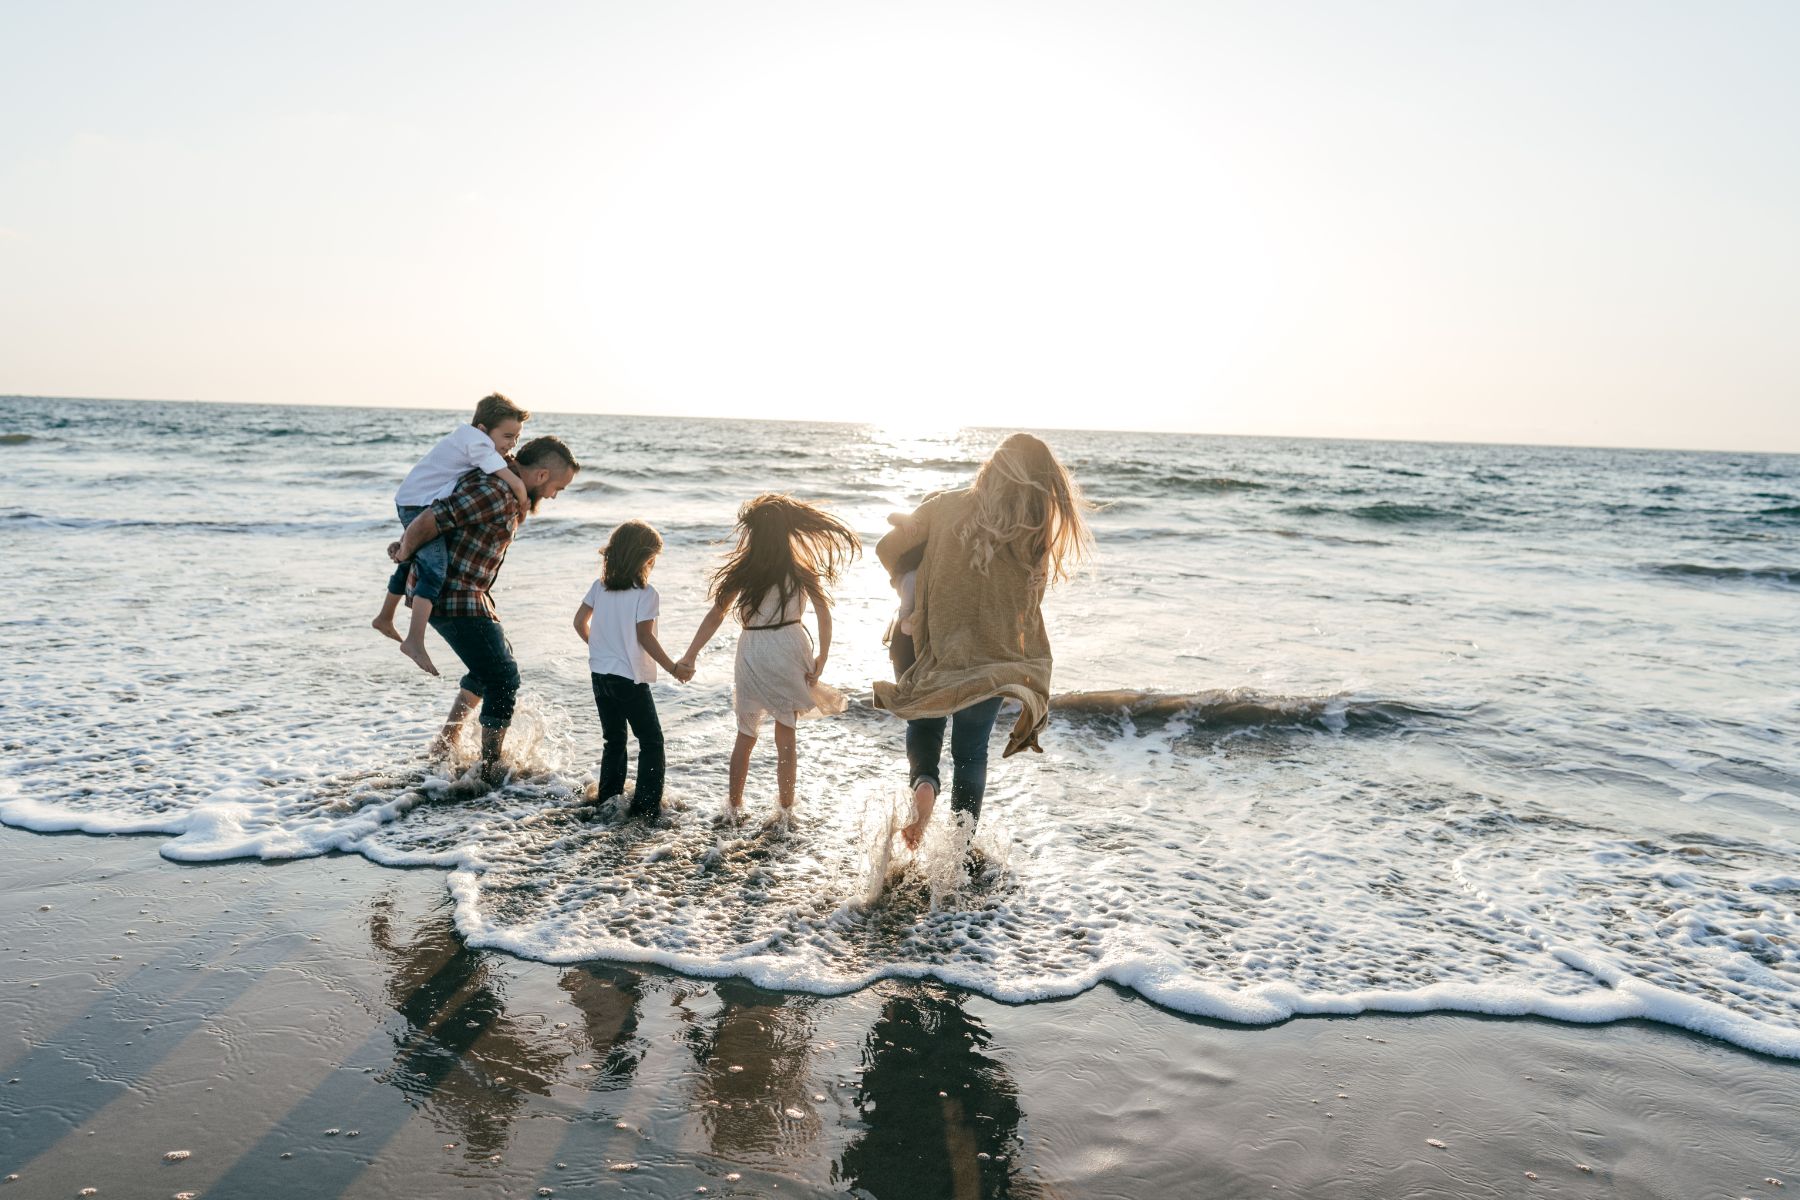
(787,760)
(384,620)
(740,770)
(924,800)
(413,645)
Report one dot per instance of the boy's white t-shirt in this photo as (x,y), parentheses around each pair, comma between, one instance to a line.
(612,635)
(436,474)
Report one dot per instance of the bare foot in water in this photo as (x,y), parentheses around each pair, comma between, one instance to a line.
(385,627)
(924,798)
(416,652)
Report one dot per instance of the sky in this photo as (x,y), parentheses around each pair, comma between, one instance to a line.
(1531,221)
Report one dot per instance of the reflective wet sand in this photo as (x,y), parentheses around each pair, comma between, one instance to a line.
(317,1029)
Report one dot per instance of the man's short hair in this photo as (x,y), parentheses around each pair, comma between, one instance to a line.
(497,408)
(539,452)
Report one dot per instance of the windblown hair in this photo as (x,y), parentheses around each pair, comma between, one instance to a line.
(786,545)
(491,410)
(1026,505)
(539,452)
(625,562)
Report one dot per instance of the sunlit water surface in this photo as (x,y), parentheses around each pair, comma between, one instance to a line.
(1498,729)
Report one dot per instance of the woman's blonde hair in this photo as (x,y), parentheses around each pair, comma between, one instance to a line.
(1026,504)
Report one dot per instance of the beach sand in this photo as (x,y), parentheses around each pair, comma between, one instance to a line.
(316,1029)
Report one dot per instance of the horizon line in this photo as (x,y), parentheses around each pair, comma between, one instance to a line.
(1295,437)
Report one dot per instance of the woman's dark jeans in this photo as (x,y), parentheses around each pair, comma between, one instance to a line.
(623,702)
(493,675)
(969,730)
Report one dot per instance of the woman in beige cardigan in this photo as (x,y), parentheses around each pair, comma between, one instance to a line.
(989,552)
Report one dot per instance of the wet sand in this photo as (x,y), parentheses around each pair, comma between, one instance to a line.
(316,1029)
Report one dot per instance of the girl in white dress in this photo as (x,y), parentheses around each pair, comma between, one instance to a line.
(788,552)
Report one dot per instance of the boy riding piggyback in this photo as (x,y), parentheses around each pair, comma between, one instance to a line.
(481,445)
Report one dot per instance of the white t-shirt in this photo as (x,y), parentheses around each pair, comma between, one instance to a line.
(435,477)
(612,636)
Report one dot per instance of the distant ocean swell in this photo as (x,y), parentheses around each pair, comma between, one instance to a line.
(1786,576)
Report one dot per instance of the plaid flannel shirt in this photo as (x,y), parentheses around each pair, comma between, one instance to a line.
(477,522)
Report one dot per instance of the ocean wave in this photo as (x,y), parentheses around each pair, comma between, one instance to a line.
(1141,477)
(1185,485)
(1327,538)
(942,464)
(1389,512)
(1774,575)
(176,525)
(1782,512)
(1236,708)
(1384,512)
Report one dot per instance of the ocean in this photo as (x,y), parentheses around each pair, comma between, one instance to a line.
(1345,726)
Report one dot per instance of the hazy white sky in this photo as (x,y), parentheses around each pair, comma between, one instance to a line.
(1558,221)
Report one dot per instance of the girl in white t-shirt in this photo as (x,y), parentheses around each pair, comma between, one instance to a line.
(617,620)
(481,445)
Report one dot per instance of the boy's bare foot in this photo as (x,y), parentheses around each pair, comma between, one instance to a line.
(385,626)
(924,798)
(418,655)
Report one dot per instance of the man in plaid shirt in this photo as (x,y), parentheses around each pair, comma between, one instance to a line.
(477,522)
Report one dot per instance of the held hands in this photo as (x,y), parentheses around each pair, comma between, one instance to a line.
(683,670)
(393,552)
(818,669)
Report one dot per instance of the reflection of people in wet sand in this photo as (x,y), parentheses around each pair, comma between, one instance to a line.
(755,1060)
(477,522)
(942,1118)
(608,998)
(990,550)
(460,1054)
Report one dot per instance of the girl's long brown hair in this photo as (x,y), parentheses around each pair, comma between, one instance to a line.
(626,559)
(783,544)
(1027,504)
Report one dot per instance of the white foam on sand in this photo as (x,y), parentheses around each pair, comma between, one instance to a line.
(1244,887)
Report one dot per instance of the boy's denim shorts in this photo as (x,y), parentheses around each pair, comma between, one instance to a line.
(430,562)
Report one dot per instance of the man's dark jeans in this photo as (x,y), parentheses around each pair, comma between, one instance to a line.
(492,673)
(969,730)
(623,702)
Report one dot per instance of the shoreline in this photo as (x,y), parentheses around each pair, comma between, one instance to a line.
(1443,999)
(252,1007)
